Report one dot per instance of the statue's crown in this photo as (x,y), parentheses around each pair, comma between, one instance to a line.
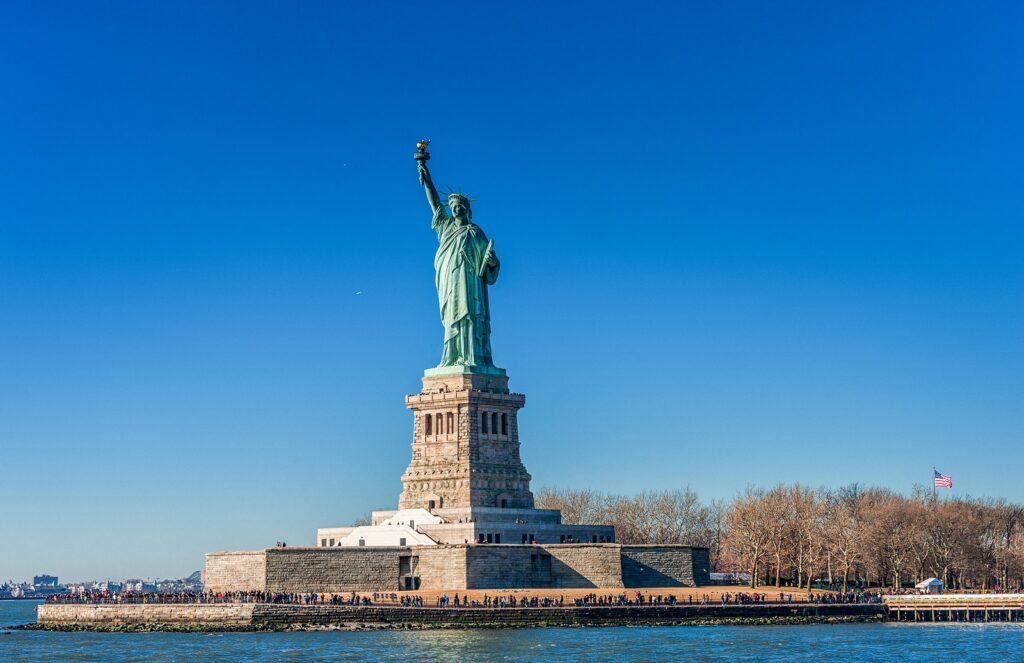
(458,198)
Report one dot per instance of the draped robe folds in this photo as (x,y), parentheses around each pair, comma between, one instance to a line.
(462,279)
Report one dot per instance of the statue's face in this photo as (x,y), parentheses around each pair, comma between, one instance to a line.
(460,211)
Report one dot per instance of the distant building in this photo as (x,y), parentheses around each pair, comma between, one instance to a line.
(137,585)
(44,581)
(108,586)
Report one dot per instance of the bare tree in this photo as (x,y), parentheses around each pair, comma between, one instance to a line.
(577,506)
(894,528)
(748,532)
(843,527)
(871,535)
(1008,518)
(779,516)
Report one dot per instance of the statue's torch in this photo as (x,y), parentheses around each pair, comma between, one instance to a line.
(421,153)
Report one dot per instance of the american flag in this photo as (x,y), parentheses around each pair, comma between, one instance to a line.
(942,481)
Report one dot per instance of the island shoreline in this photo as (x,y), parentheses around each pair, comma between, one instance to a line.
(262,617)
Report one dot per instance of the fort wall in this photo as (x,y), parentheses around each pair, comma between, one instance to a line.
(441,567)
(389,569)
(662,566)
(586,565)
(334,569)
(505,567)
(236,571)
(701,566)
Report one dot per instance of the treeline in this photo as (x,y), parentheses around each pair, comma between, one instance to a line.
(795,535)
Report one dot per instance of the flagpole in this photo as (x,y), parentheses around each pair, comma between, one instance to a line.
(933,484)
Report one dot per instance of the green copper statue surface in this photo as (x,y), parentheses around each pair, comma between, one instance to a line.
(464,265)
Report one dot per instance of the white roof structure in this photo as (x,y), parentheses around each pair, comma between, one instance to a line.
(386,535)
(412,517)
(930,582)
(399,529)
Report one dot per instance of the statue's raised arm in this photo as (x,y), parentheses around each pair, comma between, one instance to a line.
(422,156)
(428,184)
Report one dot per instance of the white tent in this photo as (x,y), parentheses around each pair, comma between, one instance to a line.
(930,586)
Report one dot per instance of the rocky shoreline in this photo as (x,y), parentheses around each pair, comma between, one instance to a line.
(270,617)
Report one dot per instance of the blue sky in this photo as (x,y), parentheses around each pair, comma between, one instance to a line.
(746,244)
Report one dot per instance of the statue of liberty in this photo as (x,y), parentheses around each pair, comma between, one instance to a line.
(464,265)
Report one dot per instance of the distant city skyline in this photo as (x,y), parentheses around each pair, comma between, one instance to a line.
(739,245)
(46,585)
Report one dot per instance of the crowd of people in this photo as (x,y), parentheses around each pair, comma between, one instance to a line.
(634,599)
(510,601)
(310,598)
(624,600)
(750,598)
(846,597)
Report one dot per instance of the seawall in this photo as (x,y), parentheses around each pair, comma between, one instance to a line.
(270,616)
